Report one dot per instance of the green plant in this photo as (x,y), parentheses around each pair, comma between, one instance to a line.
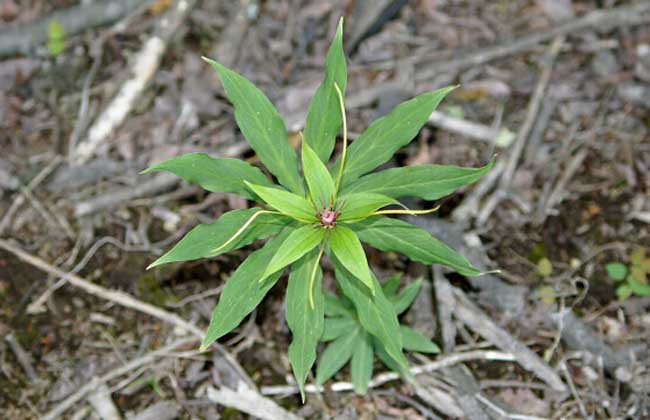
(55,38)
(634,279)
(351,342)
(325,212)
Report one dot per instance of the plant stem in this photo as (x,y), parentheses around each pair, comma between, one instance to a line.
(243,228)
(407,211)
(313,277)
(345,140)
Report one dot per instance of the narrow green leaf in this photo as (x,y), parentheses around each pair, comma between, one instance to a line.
(243,291)
(335,356)
(388,134)
(376,313)
(361,364)
(414,341)
(429,182)
(205,241)
(305,322)
(616,271)
(388,361)
(347,248)
(336,327)
(216,175)
(390,286)
(323,115)
(319,181)
(360,205)
(261,125)
(403,300)
(388,234)
(338,307)
(285,202)
(297,244)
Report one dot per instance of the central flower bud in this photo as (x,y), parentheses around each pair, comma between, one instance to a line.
(328,218)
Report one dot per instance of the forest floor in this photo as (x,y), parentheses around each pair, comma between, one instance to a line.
(559,90)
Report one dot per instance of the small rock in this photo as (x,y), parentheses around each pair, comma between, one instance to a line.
(635,93)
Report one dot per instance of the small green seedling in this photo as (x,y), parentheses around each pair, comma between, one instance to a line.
(55,38)
(634,280)
(351,342)
(328,211)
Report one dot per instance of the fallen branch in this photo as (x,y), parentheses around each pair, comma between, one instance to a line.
(144,67)
(382,378)
(608,18)
(478,321)
(250,402)
(22,39)
(116,296)
(131,366)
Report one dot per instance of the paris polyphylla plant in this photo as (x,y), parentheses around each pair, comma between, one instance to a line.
(327,212)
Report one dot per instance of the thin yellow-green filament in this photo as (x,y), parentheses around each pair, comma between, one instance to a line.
(312,278)
(345,139)
(243,228)
(407,211)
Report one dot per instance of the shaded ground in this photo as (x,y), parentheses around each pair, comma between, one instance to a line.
(577,199)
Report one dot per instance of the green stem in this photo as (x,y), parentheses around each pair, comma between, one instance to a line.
(243,228)
(345,140)
(313,277)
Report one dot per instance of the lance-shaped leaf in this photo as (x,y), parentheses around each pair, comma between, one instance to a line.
(403,300)
(285,202)
(336,327)
(297,244)
(360,205)
(376,313)
(361,364)
(319,181)
(324,115)
(261,125)
(338,307)
(414,341)
(205,241)
(243,291)
(388,134)
(305,322)
(216,175)
(388,234)
(429,182)
(336,355)
(390,286)
(348,250)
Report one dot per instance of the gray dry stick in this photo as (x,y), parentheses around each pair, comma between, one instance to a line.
(23,38)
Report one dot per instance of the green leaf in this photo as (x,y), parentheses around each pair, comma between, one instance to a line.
(429,182)
(319,181)
(639,289)
(297,244)
(388,134)
(361,205)
(544,267)
(243,291)
(623,291)
(55,38)
(205,241)
(361,364)
(324,115)
(376,313)
(388,234)
(347,248)
(337,307)
(216,175)
(261,125)
(388,361)
(414,341)
(616,271)
(335,356)
(305,322)
(402,301)
(285,202)
(390,286)
(336,327)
